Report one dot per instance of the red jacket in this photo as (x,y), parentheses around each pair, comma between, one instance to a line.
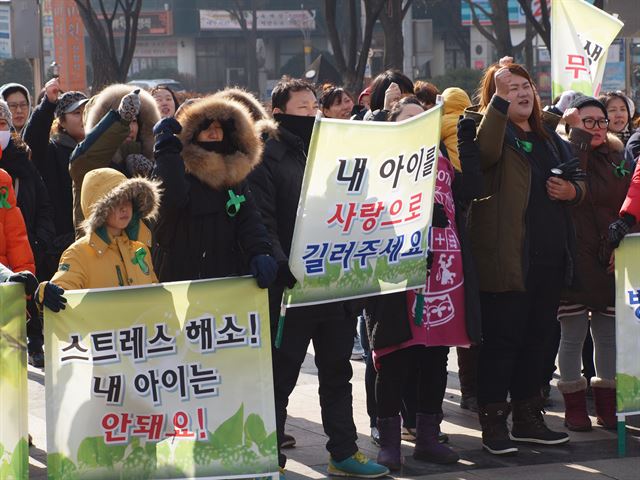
(631,204)
(15,250)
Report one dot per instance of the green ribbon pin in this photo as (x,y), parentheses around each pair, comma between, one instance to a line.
(4,195)
(524,145)
(234,202)
(138,259)
(620,171)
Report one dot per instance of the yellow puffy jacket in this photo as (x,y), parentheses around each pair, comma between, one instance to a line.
(456,101)
(98,260)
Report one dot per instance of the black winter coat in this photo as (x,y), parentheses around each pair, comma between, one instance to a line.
(32,199)
(277,183)
(51,157)
(195,237)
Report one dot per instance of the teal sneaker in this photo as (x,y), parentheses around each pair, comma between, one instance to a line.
(358,466)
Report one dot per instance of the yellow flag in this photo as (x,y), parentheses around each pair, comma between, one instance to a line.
(580,37)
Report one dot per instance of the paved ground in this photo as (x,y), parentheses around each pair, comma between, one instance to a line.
(589,456)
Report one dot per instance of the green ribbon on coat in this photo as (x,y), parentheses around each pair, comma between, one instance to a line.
(4,196)
(138,259)
(234,203)
(524,145)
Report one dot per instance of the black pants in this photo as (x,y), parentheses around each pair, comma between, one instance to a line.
(395,368)
(468,370)
(331,330)
(516,327)
(35,335)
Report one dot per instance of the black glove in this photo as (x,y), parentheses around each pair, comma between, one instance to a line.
(619,228)
(50,295)
(466,129)
(165,132)
(285,278)
(439,218)
(571,170)
(28,279)
(264,268)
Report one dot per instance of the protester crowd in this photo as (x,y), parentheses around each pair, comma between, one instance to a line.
(130,188)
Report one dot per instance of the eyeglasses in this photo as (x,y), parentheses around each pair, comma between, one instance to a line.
(592,122)
(18,106)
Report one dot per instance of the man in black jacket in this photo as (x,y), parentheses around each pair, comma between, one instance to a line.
(276,184)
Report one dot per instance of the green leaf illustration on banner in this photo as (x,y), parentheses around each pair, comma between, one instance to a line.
(254,430)
(93,452)
(229,433)
(60,467)
(628,392)
(17,460)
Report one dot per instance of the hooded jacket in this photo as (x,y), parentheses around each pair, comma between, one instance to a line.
(4,92)
(195,235)
(98,260)
(103,145)
(32,197)
(456,101)
(15,251)
(605,193)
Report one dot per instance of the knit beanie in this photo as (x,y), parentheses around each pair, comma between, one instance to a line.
(5,113)
(586,101)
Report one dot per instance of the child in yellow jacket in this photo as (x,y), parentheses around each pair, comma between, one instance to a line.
(109,254)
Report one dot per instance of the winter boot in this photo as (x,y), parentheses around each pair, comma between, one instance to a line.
(604,396)
(390,455)
(529,426)
(575,405)
(428,448)
(495,434)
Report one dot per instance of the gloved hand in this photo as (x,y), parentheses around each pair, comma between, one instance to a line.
(466,129)
(28,279)
(566,99)
(165,132)
(439,218)
(130,106)
(285,277)
(138,165)
(571,170)
(619,228)
(264,268)
(50,295)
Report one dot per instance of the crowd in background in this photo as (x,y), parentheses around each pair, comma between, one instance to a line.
(131,187)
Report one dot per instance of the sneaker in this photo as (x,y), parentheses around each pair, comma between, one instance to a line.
(375,436)
(357,466)
(495,434)
(282,476)
(288,441)
(408,434)
(36,359)
(358,352)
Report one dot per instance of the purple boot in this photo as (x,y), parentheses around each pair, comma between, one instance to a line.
(428,449)
(390,455)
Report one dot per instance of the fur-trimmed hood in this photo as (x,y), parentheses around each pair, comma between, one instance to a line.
(214,169)
(256,109)
(104,188)
(109,99)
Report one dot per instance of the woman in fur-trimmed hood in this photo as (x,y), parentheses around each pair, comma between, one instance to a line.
(119,122)
(110,254)
(209,225)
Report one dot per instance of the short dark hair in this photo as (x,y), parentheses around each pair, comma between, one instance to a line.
(397,108)
(282,91)
(381,83)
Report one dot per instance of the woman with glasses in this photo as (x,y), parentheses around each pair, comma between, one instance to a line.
(590,302)
(19,102)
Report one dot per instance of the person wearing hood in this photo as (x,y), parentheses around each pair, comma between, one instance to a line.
(33,201)
(456,101)
(19,100)
(209,225)
(590,303)
(109,254)
(56,124)
(277,183)
(118,122)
